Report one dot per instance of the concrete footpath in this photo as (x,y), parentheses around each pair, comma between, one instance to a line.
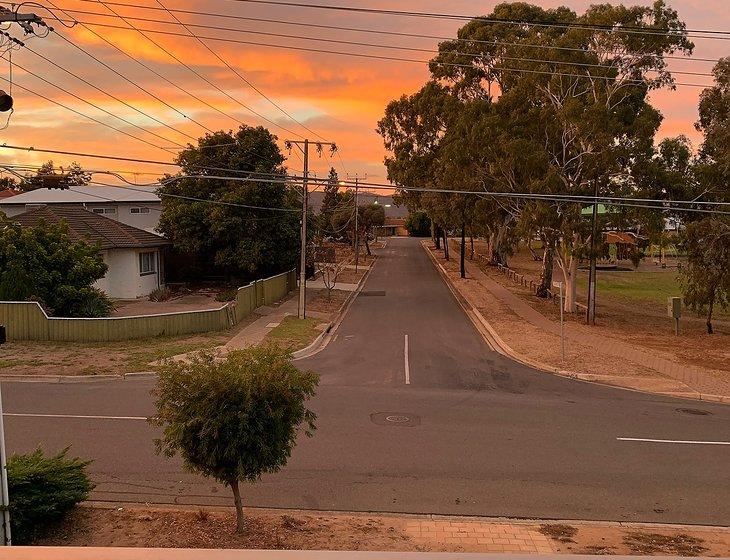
(692,382)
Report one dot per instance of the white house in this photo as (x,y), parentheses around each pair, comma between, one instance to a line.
(133,255)
(139,207)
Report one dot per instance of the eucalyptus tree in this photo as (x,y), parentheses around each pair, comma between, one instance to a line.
(578,85)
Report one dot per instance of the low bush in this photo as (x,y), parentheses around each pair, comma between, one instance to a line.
(160,294)
(42,489)
(226,295)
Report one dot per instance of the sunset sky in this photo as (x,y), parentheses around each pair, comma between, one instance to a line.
(339,97)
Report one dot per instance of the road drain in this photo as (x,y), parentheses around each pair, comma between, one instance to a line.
(694,411)
(395,419)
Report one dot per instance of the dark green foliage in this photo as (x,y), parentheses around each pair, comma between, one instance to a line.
(234,419)
(233,241)
(42,489)
(44,264)
(226,295)
(418,224)
(48,176)
(330,203)
(706,277)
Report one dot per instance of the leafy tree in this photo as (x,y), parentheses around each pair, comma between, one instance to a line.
(706,277)
(418,224)
(234,419)
(234,240)
(44,264)
(330,202)
(42,489)
(9,183)
(48,176)
(369,217)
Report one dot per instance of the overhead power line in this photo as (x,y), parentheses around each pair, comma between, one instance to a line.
(392,58)
(392,47)
(339,28)
(239,74)
(79,113)
(212,84)
(121,158)
(640,30)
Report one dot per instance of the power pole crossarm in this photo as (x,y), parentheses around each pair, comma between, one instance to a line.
(303,145)
(24,20)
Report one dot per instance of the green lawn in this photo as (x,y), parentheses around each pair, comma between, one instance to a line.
(636,285)
(294,333)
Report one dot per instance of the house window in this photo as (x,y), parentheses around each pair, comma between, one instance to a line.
(104,210)
(147,263)
(139,210)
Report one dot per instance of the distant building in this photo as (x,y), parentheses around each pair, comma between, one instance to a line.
(138,207)
(133,255)
(392,227)
(364,197)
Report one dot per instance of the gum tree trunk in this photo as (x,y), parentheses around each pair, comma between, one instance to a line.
(240,525)
(462,269)
(546,275)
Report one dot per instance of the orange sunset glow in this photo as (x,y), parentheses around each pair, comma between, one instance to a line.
(339,97)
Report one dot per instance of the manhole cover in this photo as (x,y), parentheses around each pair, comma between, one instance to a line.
(395,419)
(694,411)
(372,293)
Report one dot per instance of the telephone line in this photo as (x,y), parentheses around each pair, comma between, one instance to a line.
(198,74)
(638,30)
(390,58)
(383,46)
(339,28)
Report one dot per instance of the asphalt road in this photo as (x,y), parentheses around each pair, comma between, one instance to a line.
(448,426)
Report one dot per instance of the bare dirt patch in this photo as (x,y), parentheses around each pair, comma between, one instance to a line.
(631,306)
(319,302)
(137,526)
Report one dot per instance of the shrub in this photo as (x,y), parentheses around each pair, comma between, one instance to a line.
(89,302)
(42,489)
(226,295)
(162,293)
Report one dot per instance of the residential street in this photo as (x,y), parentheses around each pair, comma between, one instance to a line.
(417,414)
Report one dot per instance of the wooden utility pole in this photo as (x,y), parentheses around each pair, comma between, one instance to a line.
(591,308)
(303,146)
(356,177)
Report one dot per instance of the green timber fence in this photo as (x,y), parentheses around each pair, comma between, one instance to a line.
(26,320)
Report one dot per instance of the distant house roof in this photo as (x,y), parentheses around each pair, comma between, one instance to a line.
(7,193)
(92,228)
(619,237)
(84,194)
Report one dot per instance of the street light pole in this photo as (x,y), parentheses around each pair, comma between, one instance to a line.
(591,309)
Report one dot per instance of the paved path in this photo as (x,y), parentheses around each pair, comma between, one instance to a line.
(698,379)
(444,425)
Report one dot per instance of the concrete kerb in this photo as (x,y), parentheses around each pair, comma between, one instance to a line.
(321,342)
(498,345)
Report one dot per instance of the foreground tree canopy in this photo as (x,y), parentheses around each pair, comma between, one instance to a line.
(553,109)
(44,264)
(239,235)
(234,419)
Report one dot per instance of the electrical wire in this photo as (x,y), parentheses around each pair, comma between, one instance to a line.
(380,46)
(339,28)
(198,74)
(636,30)
(394,58)
(140,63)
(239,74)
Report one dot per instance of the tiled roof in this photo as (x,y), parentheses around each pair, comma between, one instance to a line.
(92,228)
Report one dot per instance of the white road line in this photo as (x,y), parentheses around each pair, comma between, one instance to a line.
(84,417)
(685,442)
(407,366)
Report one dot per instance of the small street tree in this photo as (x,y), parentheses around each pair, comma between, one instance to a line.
(234,419)
(705,279)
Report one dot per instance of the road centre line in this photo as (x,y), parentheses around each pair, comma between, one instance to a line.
(679,441)
(407,366)
(83,417)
